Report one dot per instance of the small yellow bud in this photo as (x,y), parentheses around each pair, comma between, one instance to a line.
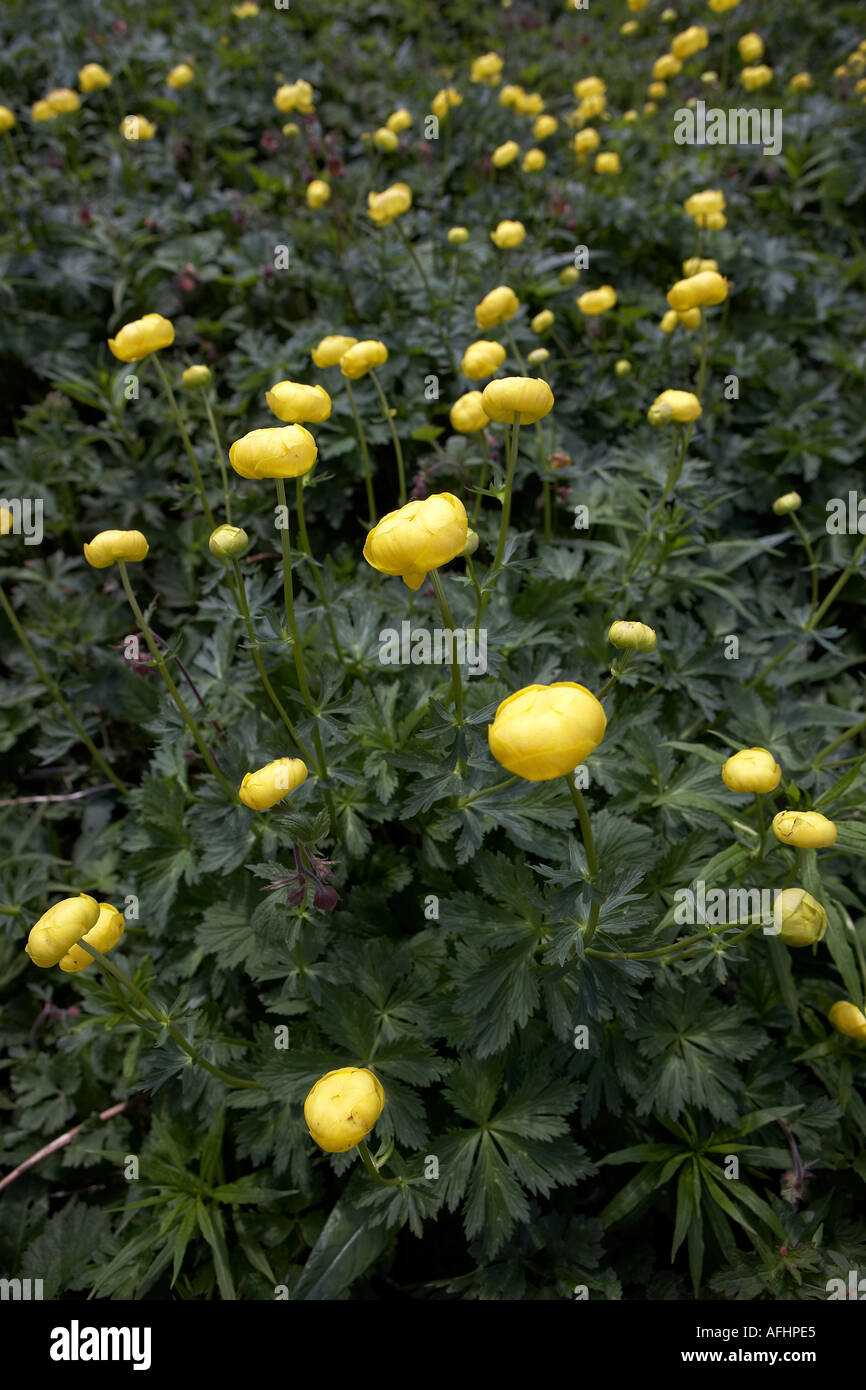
(804,829)
(800,918)
(790,502)
(199,375)
(752,770)
(848,1019)
(622,367)
(228,541)
(635,637)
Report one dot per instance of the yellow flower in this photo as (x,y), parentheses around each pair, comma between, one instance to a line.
(226,542)
(59,928)
(510,95)
(542,321)
(295,403)
(750,48)
(529,103)
(506,234)
(63,100)
(361,357)
(93,76)
(7,118)
(41,111)
(804,829)
(800,917)
(498,306)
(622,367)
(137,128)
(533,160)
(637,5)
(545,731)
(690,41)
(544,126)
(290,128)
(418,537)
(287,452)
(666,66)
(710,77)
(690,318)
(660,413)
(537,356)
(629,116)
(510,398)
(701,204)
(103,937)
(754,78)
(467,414)
(399,120)
(790,502)
(669,321)
(331,349)
(568,275)
(486,69)
(180,76)
(720,6)
(138,339)
(630,27)
(294,96)
(684,405)
(245,10)
(444,101)
(385,139)
(695,264)
(343,1107)
(585,141)
(262,789)
(848,1019)
(109,546)
(707,287)
(607,163)
(482,359)
(657,90)
(197,375)
(382,208)
(752,770)
(588,87)
(505,154)
(597,301)
(801,82)
(457,235)
(635,637)
(318,193)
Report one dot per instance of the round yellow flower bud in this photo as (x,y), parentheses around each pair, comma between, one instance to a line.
(59,928)
(696,264)
(630,27)
(717,6)
(505,154)
(7,118)
(589,87)
(666,66)
(318,193)
(800,917)
(537,356)
(509,95)
(750,47)
(569,275)
(709,200)
(637,5)
(801,82)
(444,100)
(419,537)
(629,116)
(498,306)
(197,375)
(509,398)
(467,414)
(669,321)
(607,163)
(598,301)
(457,235)
(385,139)
(290,129)
(542,321)
(383,208)
(332,349)
(804,829)
(707,287)
(109,546)
(359,359)
(690,41)
(136,340)
(657,90)
(399,120)
(41,111)
(635,637)
(295,96)
(228,541)
(544,127)
(529,103)
(533,160)
(343,1107)
(660,412)
(622,367)
(584,142)
(63,100)
(545,731)
(272,783)
(180,76)
(752,770)
(848,1019)
(472,541)
(295,403)
(670,16)
(482,358)
(103,937)
(92,77)
(684,405)
(756,77)
(505,235)
(486,69)
(137,127)
(288,452)
(790,502)
(690,319)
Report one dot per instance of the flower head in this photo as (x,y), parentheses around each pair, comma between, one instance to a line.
(296,403)
(110,546)
(138,339)
(263,789)
(523,398)
(343,1107)
(418,537)
(804,829)
(752,770)
(545,731)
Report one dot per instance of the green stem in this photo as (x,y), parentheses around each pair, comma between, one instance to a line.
(810,556)
(615,672)
(178,419)
(515,350)
(241,596)
(591,860)
(482,482)
(702,368)
(487,791)
(172,688)
(513,439)
(762,827)
(365,455)
(317,578)
(837,742)
(675,467)
(220,455)
(54,691)
(367,1160)
(456,681)
(401,472)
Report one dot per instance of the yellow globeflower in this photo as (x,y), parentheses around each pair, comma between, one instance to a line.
(690,41)
(383,208)
(801,82)
(227,542)
(545,731)
(385,139)
(707,287)
(634,637)
(318,193)
(505,154)
(585,141)
(607,163)
(718,6)
(589,87)
(399,120)
(59,928)
(800,917)
(542,321)
(848,1019)
(197,375)
(137,127)
(296,404)
(598,301)
(695,264)
(482,359)
(330,350)
(92,77)
(486,69)
(63,100)
(180,76)
(752,770)
(505,235)
(789,502)
(41,111)
(684,405)
(750,47)
(511,398)
(458,235)
(138,339)
(108,547)
(467,414)
(419,537)
(444,101)
(497,306)
(666,66)
(295,96)
(262,789)
(756,77)
(804,829)
(357,360)
(544,126)
(343,1107)
(103,937)
(287,452)
(7,118)
(533,160)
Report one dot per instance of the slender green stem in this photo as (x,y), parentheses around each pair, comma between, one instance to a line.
(762,826)
(837,742)
(220,453)
(482,482)
(616,671)
(591,860)
(172,688)
(365,454)
(317,578)
(178,419)
(702,367)
(473,579)
(386,411)
(545,480)
(367,1160)
(239,590)
(54,691)
(675,466)
(675,948)
(159,1017)
(511,467)
(456,680)
(515,350)
(487,791)
(434,307)
(810,556)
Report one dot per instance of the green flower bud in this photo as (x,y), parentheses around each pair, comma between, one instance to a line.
(800,918)
(660,413)
(622,367)
(199,375)
(228,541)
(471,543)
(789,503)
(635,637)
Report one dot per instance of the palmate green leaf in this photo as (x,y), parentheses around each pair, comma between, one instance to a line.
(635,1192)
(494,1200)
(498,996)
